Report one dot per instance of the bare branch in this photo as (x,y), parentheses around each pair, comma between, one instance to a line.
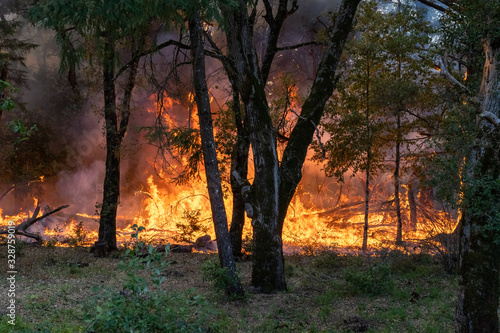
(21,228)
(323,151)
(433,4)
(444,72)
(28,223)
(491,117)
(296,46)
(147,52)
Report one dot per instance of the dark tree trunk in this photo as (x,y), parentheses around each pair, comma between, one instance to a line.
(413,207)
(399,231)
(114,138)
(478,278)
(239,164)
(478,296)
(268,264)
(210,155)
(274,187)
(111,190)
(312,110)
(368,157)
(367,207)
(234,67)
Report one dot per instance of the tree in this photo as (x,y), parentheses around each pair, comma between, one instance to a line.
(12,52)
(275,183)
(379,97)
(470,35)
(110,28)
(403,88)
(210,154)
(352,122)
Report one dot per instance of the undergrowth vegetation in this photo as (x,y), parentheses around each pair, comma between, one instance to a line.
(144,290)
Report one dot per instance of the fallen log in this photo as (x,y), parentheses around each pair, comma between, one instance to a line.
(22,227)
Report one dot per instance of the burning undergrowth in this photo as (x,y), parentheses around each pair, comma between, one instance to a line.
(173,206)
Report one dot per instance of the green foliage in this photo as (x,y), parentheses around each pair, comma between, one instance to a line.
(247,243)
(23,132)
(385,76)
(480,201)
(139,308)
(461,179)
(464,28)
(11,53)
(191,227)
(374,281)
(6,103)
(219,276)
(327,260)
(96,21)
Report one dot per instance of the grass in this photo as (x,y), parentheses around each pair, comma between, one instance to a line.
(327,293)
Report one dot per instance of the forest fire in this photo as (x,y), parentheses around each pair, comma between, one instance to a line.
(321,216)
(330,216)
(173,207)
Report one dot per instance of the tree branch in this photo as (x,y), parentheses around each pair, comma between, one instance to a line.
(147,52)
(21,228)
(296,46)
(444,72)
(434,5)
(323,152)
(491,117)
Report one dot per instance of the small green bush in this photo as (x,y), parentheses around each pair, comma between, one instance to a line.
(139,308)
(151,312)
(217,275)
(327,260)
(374,281)
(247,244)
(191,226)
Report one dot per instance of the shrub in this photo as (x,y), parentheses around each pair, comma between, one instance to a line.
(79,236)
(191,227)
(219,276)
(374,281)
(327,260)
(247,244)
(138,308)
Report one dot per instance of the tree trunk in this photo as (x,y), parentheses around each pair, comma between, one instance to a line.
(399,231)
(274,187)
(239,164)
(413,207)
(313,108)
(114,138)
(367,207)
(111,190)
(210,155)
(368,157)
(478,296)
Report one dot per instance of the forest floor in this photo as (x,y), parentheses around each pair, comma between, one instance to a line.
(69,290)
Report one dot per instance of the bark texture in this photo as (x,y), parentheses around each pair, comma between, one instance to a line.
(210,155)
(313,108)
(274,185)
(478,296)
(111,189)
(239,164)
(114,136)
(397,185)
